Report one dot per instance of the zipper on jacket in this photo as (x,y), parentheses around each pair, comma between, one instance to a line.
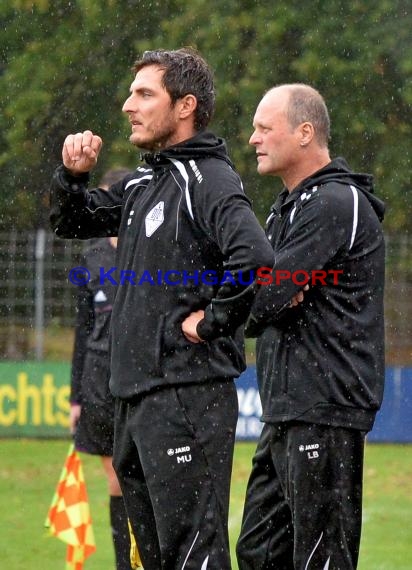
(158,347)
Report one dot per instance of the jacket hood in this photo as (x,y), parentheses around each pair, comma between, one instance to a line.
(203,145)
(338,171)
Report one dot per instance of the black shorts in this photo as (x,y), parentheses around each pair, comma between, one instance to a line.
(95,429)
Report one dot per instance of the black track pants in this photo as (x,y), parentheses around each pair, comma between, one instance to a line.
(303,506)
(173,456)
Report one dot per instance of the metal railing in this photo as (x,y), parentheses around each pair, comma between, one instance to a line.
(35,293)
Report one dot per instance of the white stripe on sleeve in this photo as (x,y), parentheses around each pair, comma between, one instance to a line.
(355,215)
(179,165)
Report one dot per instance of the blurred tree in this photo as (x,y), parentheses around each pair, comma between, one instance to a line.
(356,53)
(65,77)
(65,68)
(359,55)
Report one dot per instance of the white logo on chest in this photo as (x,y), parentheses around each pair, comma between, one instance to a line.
(154,219)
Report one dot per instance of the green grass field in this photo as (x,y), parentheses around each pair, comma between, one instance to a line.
(29,471)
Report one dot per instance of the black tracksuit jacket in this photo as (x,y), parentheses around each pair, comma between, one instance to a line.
(323,361)
(185,210)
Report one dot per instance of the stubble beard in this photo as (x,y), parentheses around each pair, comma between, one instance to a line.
(155,140)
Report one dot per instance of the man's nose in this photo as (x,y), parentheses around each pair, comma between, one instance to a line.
(128,105)
(253,139)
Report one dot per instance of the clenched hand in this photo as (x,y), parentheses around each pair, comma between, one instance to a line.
(80,152)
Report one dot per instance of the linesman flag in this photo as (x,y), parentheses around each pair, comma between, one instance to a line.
(69,514)
(135,561)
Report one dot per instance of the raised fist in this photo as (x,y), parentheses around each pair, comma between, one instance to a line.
(80,151)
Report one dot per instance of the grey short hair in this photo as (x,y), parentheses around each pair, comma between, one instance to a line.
(306,104)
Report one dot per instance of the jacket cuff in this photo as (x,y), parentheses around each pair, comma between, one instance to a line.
(71,183)
(208,331)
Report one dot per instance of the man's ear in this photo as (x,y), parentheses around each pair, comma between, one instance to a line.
(187,105)
(307,132)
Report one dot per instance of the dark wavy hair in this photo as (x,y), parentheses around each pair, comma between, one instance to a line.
(185,72)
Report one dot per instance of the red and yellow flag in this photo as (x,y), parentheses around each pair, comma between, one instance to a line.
(69,514)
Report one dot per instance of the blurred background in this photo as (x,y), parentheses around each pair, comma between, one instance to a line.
(65,66)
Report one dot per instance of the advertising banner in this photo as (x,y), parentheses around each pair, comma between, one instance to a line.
(34,399)
(34,402)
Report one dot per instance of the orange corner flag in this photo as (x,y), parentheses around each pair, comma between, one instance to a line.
(69,514)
